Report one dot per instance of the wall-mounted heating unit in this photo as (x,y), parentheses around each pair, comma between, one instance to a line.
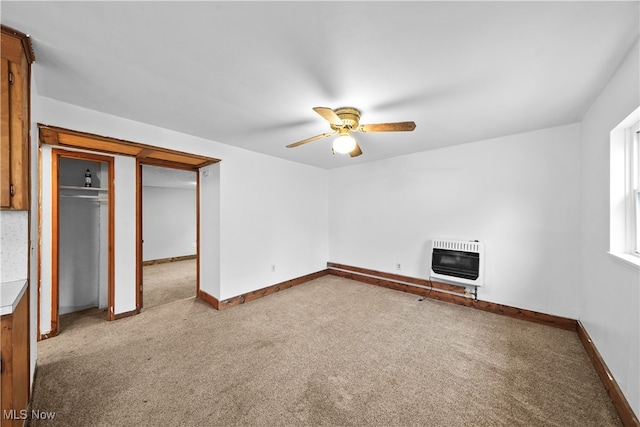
(458,261)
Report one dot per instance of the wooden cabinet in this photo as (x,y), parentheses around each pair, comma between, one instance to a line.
(17,56)
(14,350)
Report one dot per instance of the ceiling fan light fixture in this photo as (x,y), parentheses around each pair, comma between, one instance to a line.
(345,143)
(346,119)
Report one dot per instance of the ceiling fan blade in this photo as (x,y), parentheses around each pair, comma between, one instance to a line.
(313,138)
(329,115)
(388,127)
(356,151)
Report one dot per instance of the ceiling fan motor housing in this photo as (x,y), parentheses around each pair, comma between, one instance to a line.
(350,118)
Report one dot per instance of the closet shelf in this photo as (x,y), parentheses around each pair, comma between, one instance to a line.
(70,187)
(84,193)
(80,196)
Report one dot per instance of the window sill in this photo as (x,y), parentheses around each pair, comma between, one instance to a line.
(629,261)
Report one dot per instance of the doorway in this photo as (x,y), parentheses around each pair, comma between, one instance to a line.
(82,234)
(167,213)
(48,250)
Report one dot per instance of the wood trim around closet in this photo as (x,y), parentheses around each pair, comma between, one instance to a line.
(150,154)
(53,331)
(144,154)
(56,154)
(139,236)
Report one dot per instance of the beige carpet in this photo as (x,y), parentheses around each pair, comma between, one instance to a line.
(329,352)
(163,284)
(168,282)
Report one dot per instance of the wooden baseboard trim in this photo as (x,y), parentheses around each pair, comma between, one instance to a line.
(125,314)
(627,416)
(259,293)
(397,277)
(254,295)
(165,260)
(209,299)
(47,335)
(405,284)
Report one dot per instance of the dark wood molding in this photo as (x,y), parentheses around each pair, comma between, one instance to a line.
(209,299)
(39,255)
(397,277)
(393,281)
(55,225)
(125,314)
(56,154)
(259,293)
(50,334)
(167,260)
(149,154)
(625,412)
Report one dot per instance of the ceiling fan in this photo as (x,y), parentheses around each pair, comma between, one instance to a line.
(346,119)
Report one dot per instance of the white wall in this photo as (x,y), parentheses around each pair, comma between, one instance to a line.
(168,222)
(610,291)
(519,195)
(271,211)
(209,187)
(125,234)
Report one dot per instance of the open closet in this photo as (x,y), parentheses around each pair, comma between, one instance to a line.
(78,263)
(83,240)
(82,234)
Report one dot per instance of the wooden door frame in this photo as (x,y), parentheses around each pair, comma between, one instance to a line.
(149,162)
(153,155)
(56,154)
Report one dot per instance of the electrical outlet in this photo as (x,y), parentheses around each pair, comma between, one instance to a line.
(273,268)
(398,266)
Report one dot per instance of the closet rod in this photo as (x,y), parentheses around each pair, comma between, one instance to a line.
(79,196)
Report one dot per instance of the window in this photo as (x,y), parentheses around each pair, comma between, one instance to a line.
(625,189)
(633,210)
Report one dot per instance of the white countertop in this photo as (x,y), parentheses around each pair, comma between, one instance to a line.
(10,294)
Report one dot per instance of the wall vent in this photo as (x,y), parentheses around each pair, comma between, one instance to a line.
(458,245)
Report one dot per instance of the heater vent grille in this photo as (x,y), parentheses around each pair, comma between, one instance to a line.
(458,261)
(457,245)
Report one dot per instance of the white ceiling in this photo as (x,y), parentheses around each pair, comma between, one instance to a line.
(248,73)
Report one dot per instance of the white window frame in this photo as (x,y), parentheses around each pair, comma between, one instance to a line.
(633,178)
(624,191)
